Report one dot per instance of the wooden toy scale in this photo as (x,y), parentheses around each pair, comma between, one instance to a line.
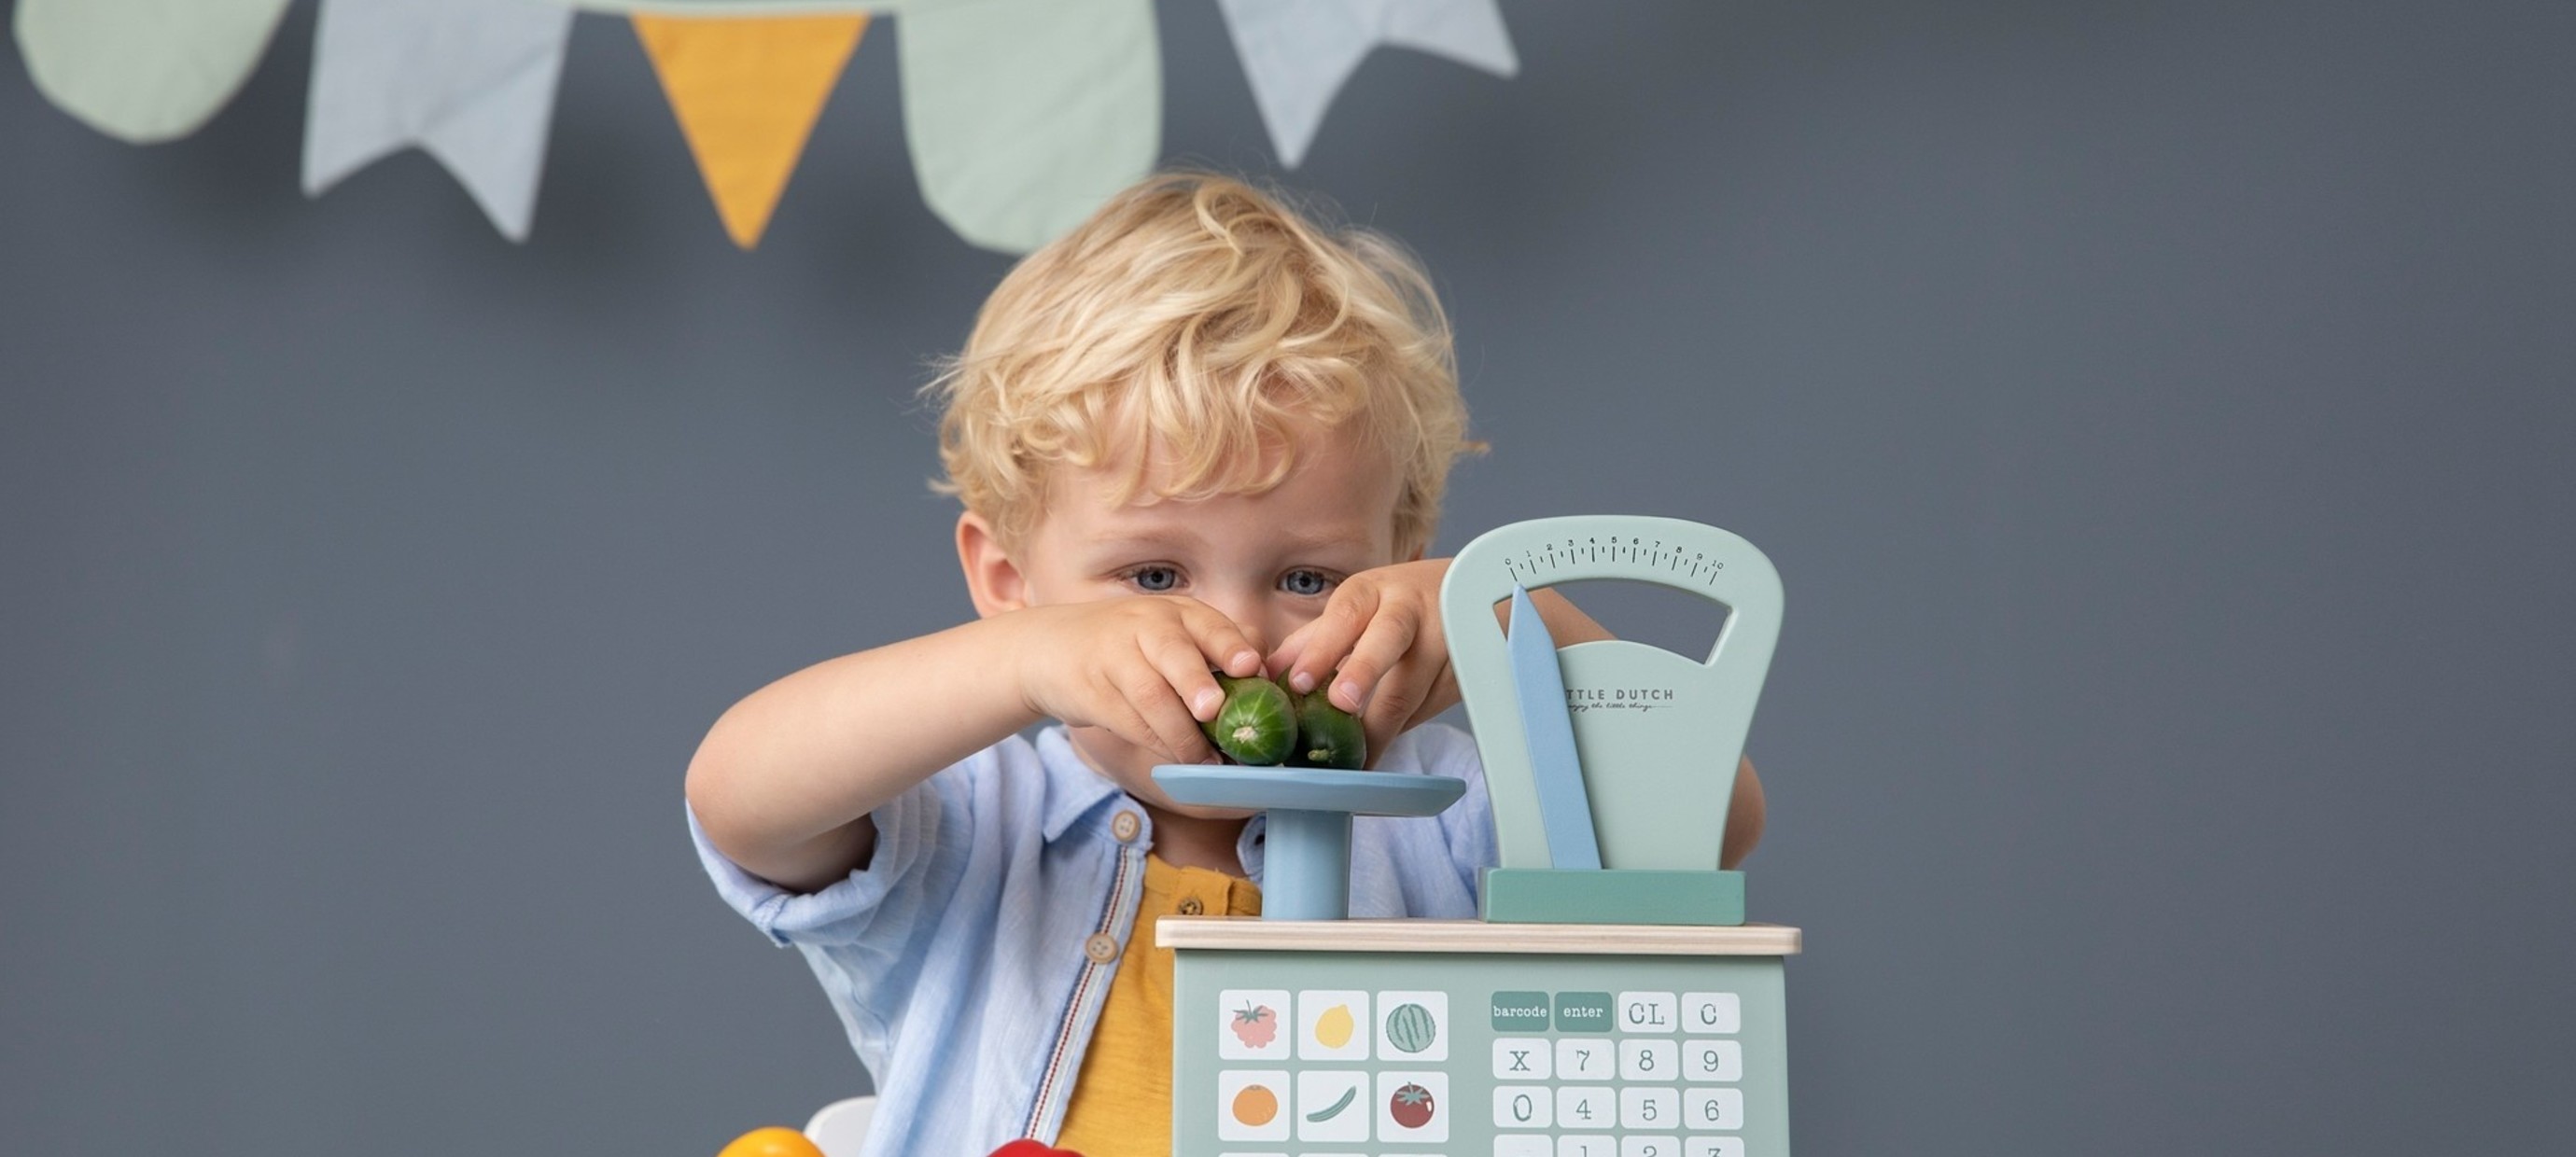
(1611,1001)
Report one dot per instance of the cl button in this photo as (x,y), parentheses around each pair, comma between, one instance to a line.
(1101,948)
(1125,826)
(1190,906)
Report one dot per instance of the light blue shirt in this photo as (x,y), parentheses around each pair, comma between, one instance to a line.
(962,960)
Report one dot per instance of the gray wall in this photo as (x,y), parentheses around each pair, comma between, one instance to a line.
(2161,414)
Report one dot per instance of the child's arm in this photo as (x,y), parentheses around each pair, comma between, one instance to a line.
(1381,642)
(785,780)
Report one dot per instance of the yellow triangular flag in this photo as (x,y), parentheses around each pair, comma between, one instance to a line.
(747,90)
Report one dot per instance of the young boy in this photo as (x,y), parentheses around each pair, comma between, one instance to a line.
(1200,432)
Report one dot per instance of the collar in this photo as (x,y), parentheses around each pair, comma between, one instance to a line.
(1073,790)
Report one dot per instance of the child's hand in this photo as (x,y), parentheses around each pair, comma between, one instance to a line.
(1381,632)
(1137,667)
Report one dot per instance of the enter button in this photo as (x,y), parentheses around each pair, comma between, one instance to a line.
(1583,1012)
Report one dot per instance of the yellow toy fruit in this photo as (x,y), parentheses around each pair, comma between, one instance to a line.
(774,1141)
(1333,1029)
(1255,1105)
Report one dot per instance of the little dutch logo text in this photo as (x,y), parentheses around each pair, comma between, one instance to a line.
(1581,699)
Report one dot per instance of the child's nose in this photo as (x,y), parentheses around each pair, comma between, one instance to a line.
(1257,618)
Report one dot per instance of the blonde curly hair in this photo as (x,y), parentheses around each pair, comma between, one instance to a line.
(1197,322)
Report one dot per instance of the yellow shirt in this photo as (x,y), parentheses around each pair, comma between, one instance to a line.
(1122,1099)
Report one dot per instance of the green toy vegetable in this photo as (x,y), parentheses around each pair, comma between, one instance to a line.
(1256,725)
(1328,736)
(1333,1110)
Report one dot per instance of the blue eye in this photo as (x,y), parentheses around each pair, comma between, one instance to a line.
(1305,582)
(1155,579)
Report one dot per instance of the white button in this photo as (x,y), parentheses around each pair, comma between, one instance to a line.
(1585,1107)
(1332,1025)
(1647,1107)
(1717,1013)
(1713,1060)
(1634,1145)
(1714,1147)
(1335,1105)
(1125,826)
(1586,1146)
(1422,1091)
(1646,1012)
(1584,1059)
(1649,1060)
(1101,948)
(1413,1027)
(1524,1147)
(1522,1058)
(1713,1109)
(1232,1086)
(1524,1107)
(1252,1024)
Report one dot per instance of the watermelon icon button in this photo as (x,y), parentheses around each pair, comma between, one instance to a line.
(1412,1026)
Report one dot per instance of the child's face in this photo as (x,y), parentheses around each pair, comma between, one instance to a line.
(1268,561)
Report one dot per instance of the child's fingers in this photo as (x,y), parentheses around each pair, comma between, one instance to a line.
(1144,695)
(1181,662)
(1221,641)
(1330,637)
(1402,697)
(1278,662)
(1385,642)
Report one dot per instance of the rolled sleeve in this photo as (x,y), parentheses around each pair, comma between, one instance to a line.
(842,912)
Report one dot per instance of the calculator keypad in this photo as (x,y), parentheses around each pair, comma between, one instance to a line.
(1625,1074)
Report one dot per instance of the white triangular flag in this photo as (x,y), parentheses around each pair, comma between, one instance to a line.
(471,82)
(1297,53)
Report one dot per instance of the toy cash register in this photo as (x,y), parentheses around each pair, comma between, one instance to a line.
(1610,1001)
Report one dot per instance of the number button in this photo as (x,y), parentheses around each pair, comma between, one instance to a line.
(1714,1109)
(1521,1058)
(1584,1060)
(1524,1107)
(1524,1147)
(1646,1012)
(1636,1146)
(1715,1147)
(1714,1060)
(1649,1108)
(1711,1013)
(1586,1146)
(1581,1107)
(1650,1060)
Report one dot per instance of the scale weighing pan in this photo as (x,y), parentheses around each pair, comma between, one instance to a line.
(1306,873)
(1656,735)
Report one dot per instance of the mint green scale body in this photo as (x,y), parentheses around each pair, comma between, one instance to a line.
(1612,1002)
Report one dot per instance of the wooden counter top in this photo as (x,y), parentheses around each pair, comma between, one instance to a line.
(1257,935)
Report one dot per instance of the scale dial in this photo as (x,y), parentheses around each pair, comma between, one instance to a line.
(1658,734)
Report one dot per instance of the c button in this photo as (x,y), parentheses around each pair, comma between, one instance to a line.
(1101,948)
(1125,826)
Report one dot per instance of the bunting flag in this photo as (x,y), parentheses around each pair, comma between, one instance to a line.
(471,82)
(746,90)
(1024,115)
(1297,53)
(143,71)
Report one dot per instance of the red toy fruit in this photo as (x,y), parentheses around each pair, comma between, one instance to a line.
(1028,1148)
(1255,1025)
(1411,1106)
